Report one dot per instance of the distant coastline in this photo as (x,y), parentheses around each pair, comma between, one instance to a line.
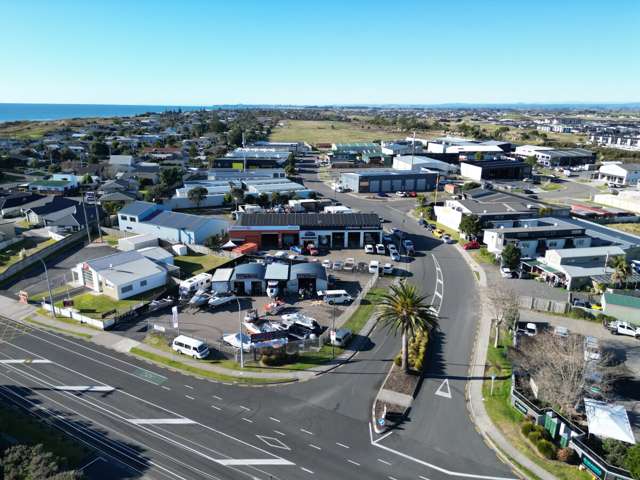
(11,112)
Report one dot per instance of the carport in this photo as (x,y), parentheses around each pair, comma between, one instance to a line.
(248,279)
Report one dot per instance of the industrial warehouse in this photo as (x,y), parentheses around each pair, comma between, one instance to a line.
(389,180)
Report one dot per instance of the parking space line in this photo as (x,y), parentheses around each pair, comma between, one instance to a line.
(189,387)
(280,433)
(217,408)
(165,387)
(189,397)
(245,408)
(248,420)
(315,446)
(217,397)
(274,419)
(342,445)
(355,463)
(306,470)
(306,431)
(384,461)
(391,478)
(423,478)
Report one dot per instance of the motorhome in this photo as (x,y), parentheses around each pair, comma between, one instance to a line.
(202,281)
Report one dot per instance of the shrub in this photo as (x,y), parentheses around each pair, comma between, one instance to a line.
(546,449)
(580,314)
(632,461)
(615,451)
(567,455)
(534,437)
(398,360)
(605,318)
(526,428)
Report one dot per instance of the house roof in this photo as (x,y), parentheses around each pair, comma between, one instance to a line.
(138,208)
(16,199)
(124,267)
(155,253)
(56,204)
(311,220)
(50,183)
(117,197)
(181,221)
(621,300)
(277,271)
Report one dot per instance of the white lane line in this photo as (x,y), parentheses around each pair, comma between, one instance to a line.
(383,436)
(274,419)
(161,421)
(84,388)
(423,478)
(217,397)
(189,397)
(354,463)
(189,387)
(91,463)
(314,446)
(26,360)
(248,420)
(165,387)
(306,470)
(392,478)
(245,408)
(280,433)
(253,461)
(217,408)
(342,445)
(306,431)
(384,461)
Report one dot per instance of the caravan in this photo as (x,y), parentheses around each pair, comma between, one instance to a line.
(202,281)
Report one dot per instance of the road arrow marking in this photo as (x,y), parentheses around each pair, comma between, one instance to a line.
(444,390)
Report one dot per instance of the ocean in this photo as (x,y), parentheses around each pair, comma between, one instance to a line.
(10,112)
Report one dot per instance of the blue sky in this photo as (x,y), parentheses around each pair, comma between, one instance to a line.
(319,52)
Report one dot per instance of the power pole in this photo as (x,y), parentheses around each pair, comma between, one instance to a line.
(86,220)
(95,203)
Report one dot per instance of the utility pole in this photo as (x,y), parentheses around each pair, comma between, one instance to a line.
(95,203)
(46,274)
(240,330)
(86,220)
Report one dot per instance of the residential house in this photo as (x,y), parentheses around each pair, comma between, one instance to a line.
(12,204)
(620,173)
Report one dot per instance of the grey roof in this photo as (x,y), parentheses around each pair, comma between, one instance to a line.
(55,205)
(249,270)
(311,220)
(389,172)
(222,275)
(137,208)
(546,224)
(568,152)
(124,267)
(181,221)
(495,163)
(606,234)
(117,197)
(277,271)
(155,253)
(309,268)
(611,250)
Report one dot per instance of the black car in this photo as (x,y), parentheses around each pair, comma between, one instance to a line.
(430,226)
(421,221)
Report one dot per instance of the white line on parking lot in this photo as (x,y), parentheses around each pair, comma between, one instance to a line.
(355,463)
(423,478)
(274,419)
(245,408)
(189,387)
(165,387)
(306,470)
(306,431)
(314,446)
(217,408)
(248,420)
(217,397)
(280,433)
(391,478)
(342,445)
(384,461)
(189,397)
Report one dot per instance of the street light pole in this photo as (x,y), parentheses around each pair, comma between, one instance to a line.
(241,339)
(46,274)
(95,203)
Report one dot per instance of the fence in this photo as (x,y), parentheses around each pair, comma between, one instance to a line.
(543,304)
(569,435)
(71,313)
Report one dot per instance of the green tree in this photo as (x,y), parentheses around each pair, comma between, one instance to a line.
(275,198)
(24,462)
(510,256)
(405,310)
(193,151)
(100,149)
(228,198)
(87,178)
(470,225)
(154,194)
(621,270)
(469,186)
(237,194)
(632,461)
(112,207)
(215,242)
(234,137)
(289,170)
(531,160)
(170,176)
(263,200)
(197,195)
(54,168)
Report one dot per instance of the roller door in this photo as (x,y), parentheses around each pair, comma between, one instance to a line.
(397,185)
(374,186)
(385,186)
(421,185)
(410,185)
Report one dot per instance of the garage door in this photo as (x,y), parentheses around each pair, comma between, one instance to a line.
(374,186)
(421,185)
(385,186)
(397,185)
(410,185)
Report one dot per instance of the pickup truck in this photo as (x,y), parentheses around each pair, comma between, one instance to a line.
(624,328)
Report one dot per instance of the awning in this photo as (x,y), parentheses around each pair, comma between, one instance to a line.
(543,266)
(229,244)
(608,420)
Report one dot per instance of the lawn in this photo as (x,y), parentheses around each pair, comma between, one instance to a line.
(112,240)
(95,305)
(198,263)
(551,186)
(508,419)
(38,297)
(11,254)
(633,228)
(483,255)
(325,131)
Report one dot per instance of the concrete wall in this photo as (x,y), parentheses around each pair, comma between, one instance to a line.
(448,217)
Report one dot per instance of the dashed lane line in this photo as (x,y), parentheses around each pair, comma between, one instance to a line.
(274,419)
(245,408)
(354,463)
(315,446)
(248,420)
(306,431)
(189,397)
(306,470)
(165,387)
(189,387)
(342,445)
(384,461)
(217,397)
(216,407)
(280,433)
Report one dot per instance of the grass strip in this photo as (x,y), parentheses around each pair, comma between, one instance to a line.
(59,330)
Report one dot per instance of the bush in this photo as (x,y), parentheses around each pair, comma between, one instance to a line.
(398,360)
(534,437)
(605,318)
(567,455)
(615,451)
(526,428)
(632,461)
(580,314)
(546,449)
(417,350)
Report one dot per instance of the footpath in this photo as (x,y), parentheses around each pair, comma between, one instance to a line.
(475,400)
(29,316)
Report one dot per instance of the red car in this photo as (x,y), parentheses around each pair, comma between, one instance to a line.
(413,194)
(472,245)
(312,250)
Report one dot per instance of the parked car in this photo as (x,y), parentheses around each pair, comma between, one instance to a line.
(341,337)
(368,248)
(430,226)
(349,264)
(401,194)
(190,346)
(374,266)
(422,222)
(412,194)
(380,250)
(296,249)
(624,328)
(326,263)
(446,238)
(387,269)
(506,272)
(382,194)
(338,265)
(395,256)
(438,233)
(407,244)
(335,296)
(472,245)
(272,288)
(312,249)
(529,329)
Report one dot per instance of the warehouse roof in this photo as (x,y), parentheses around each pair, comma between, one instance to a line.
(622,300)
(137,208)
(177,220)
(495,163)
(314,269)
(277,271)
(311,220)
(124,267)
(382,172)
(568,152)
(248,270)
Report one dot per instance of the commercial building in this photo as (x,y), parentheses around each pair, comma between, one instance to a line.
(622,307)
(307,276)
(174,227)
(121,275)
(248,279)
(249,157)
(534,237)
(283,230)
(420,162)
(556,157)
(55,187)
(620,173)
(401,147)
(294,147)
(463,147)
(495,170)
(389,180)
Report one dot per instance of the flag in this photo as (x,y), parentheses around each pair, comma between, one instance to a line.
(174,312)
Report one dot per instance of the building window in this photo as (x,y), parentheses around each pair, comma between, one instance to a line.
(123,217)
(132,219)
(143,283)
(126,289)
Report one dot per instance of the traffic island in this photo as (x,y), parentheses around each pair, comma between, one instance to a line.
(394,399)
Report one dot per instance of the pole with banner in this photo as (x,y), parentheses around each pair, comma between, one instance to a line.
(174,315)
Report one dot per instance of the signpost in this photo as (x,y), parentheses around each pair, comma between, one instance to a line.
(174,314)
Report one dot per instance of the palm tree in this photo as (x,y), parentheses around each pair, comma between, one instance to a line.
(405,310)
(621,270)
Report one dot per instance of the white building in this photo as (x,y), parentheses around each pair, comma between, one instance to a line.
(620,173)
(419,162)
(120,275)
(524,151)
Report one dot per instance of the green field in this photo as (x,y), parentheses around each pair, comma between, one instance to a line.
(194,264)
(324,131)
(96,305)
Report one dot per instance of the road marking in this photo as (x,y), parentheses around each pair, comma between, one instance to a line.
(160,421)
(189,387)
(189,397)
(274,419)
(253,461)
(217,408)
(248,420)
(314,446)
(444,390)
(92,462)
(274,442)
(384,461)
(342,445)
(355,463)
(383,436)
(306,431)
(423,478)
(26,360)
(430,465)
(391,478)
(306,470)
(245,408)
(280,433)
(84,388)
(165,387)
(217,397)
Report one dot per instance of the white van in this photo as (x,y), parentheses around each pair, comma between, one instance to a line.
(190,346)
(335,296)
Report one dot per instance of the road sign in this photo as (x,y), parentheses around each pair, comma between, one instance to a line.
(444,390)
(159,328)
(381,422)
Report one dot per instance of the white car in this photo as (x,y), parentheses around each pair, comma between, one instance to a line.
(380,250)
(374,266)
(395,256)
(280,254)
(506,272)
(447,238)
(387,269)
(368,248)
(338,265)
(272,288)
(401,194)
(326,263)
(392,247)
(349,264)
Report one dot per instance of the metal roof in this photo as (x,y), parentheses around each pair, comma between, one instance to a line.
(177,220)
(277,271)
(222,275)
(249,270)
(124,267)
(309,268)
(311,220)
(138,208)
(622,300)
